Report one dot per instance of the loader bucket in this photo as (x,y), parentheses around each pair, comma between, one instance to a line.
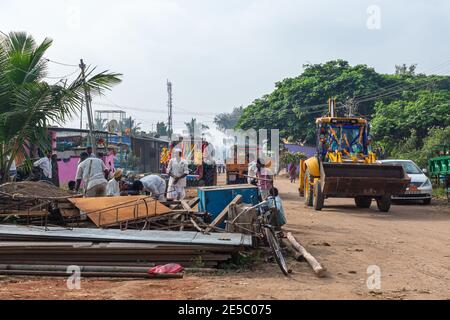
(348,180)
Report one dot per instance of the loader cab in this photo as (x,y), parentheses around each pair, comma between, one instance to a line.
(342,139)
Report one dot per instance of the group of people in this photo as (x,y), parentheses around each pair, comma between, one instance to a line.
(93,172)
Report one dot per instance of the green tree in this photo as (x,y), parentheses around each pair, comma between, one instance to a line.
(225,121)
(28,104)
(410,118)
(295,103)
(100,124)
(405,70)
(129,123)
(194,127)
(161,129)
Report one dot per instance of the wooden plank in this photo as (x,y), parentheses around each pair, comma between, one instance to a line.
(196,225)
(315,265)
(186,206)
(109,211)
(223,214)
(192,203)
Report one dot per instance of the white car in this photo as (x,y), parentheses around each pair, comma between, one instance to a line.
(420,187)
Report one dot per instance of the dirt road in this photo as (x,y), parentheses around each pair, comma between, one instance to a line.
(410,245)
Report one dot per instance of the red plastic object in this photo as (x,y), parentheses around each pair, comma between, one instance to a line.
(167,268)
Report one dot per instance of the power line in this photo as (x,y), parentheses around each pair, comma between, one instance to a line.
(46,77)
(129,108)
(399,85)
(61,63)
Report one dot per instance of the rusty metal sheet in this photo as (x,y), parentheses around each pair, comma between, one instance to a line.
(109,211)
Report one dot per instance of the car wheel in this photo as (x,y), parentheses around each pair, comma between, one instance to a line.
(427,201)
(384,203)
(363,202)
(318,197)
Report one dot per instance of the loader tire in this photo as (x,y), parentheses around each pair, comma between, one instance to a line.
(384,203)
(363,202)
(308,191)
(318,196)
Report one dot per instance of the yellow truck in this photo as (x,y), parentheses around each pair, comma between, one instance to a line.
(345,166)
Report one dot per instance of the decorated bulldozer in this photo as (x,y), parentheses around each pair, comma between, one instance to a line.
(346,167)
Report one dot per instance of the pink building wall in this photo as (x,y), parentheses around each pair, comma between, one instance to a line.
(67,170)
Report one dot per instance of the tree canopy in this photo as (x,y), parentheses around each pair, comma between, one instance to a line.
(225,121)
(396,104)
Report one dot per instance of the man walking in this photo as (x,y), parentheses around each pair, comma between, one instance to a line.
(92,172)
(177,170)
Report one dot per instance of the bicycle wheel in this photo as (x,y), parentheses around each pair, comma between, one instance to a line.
(275,246)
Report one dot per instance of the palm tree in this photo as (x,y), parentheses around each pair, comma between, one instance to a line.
(100,124)
(196,128)
(28,104)
(131,124)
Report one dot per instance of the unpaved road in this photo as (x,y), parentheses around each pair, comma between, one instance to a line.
(410,245)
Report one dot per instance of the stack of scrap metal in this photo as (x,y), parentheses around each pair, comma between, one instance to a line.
(112,247)
(29,200)
(142,212)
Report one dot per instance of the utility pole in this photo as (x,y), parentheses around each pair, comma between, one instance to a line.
(350,104)
(81,115)
(87,97)
(332,107)
(169,107)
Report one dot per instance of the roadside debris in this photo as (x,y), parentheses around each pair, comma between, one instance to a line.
(125,236)
(315,265)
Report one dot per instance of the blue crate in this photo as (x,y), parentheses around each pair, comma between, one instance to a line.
(214,199)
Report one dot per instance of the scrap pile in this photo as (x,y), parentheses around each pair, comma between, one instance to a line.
(31,201)
(54,246)
(46,229)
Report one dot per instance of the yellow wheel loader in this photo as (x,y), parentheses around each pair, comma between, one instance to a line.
(345,166)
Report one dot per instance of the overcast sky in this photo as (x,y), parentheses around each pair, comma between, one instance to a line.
(221,54)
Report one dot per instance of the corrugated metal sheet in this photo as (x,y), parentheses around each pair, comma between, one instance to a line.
(147,236)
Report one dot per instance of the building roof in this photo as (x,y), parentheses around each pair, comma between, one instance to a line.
(294,148)
(58,129)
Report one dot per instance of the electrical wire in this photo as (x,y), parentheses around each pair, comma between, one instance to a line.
(47,77)
(397,87)
(62,64)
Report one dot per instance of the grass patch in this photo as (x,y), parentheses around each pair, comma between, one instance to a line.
(244,260)
(439,193)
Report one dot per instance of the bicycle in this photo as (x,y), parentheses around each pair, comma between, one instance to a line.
(265,231)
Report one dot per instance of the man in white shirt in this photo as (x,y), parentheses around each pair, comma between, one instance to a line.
(92,172)
(177,170)
(252,168)
(113,186)
(45,164)
(155,185)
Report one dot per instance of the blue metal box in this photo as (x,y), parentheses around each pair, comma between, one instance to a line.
(214,199)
